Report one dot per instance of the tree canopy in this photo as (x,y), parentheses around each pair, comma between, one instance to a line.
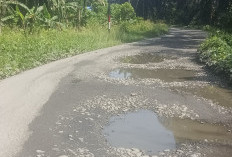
(203,12)
(54,13)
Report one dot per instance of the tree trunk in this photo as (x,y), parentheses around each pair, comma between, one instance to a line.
(79,18)
(2,12)
(84,7)
(1,3)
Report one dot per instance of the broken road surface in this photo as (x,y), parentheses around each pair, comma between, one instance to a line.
(147,98)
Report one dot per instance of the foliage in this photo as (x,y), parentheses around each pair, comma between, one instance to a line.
(116,12)
(45,13)
(127,12)
(39,31)
(20,52)
(98,14)
(186,12)
(30,15)
(216,51)
(73,13)
(123,12)
(225,18)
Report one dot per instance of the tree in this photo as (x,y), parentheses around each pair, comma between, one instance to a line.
(127,12)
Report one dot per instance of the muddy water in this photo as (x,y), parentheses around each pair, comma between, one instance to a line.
(144,58)
(146,131)
(219,95)
(167,75)
(195,131)
(140,130)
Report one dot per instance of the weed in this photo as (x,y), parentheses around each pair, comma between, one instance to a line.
(19,52)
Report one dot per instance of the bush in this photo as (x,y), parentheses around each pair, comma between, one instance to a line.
(116,12)
(127,12)
(124,12)
(216,51)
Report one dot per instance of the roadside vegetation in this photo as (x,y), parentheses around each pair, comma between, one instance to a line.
(37,32)
(216,51)
(214,15)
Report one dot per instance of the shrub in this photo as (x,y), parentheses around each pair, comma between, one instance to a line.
(116,12)
(216,51)
(124,12)
(127,12)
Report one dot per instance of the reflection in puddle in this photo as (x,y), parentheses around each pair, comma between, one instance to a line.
(192,130)
(120,73)
(145,131)
(167,75)
(219,95)
(139,130)
(144,58)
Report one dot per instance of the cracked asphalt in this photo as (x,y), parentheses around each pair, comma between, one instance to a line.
(61,109)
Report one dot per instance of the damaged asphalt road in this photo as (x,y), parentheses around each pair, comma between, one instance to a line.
(148,98)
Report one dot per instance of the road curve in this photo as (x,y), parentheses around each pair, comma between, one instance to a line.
(61,108)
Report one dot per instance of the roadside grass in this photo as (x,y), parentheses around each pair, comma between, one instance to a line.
(19,52)
(216,51)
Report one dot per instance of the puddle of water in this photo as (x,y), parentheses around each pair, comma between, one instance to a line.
(139,130)
(146,131)
(217,94)
(167,75)
(120,73)
(144,58)
(192,130)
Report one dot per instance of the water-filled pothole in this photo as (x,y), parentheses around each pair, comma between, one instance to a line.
(186,129)
(167,75)
(148,132)
(144,58)
(139,130)
(220,95)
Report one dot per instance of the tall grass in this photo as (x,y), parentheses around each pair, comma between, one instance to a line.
(19,52)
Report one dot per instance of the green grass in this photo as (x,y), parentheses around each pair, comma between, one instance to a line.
(216,51)
(19,52)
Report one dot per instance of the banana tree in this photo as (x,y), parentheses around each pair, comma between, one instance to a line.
(74,9)
(67,11)
(6,12)
(32,17)
(58,8)
(49,20)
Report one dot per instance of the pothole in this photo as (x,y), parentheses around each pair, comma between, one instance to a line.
(146,131)
(144,58)
(140,130)
(219,95)
(186,129)
(167,75)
